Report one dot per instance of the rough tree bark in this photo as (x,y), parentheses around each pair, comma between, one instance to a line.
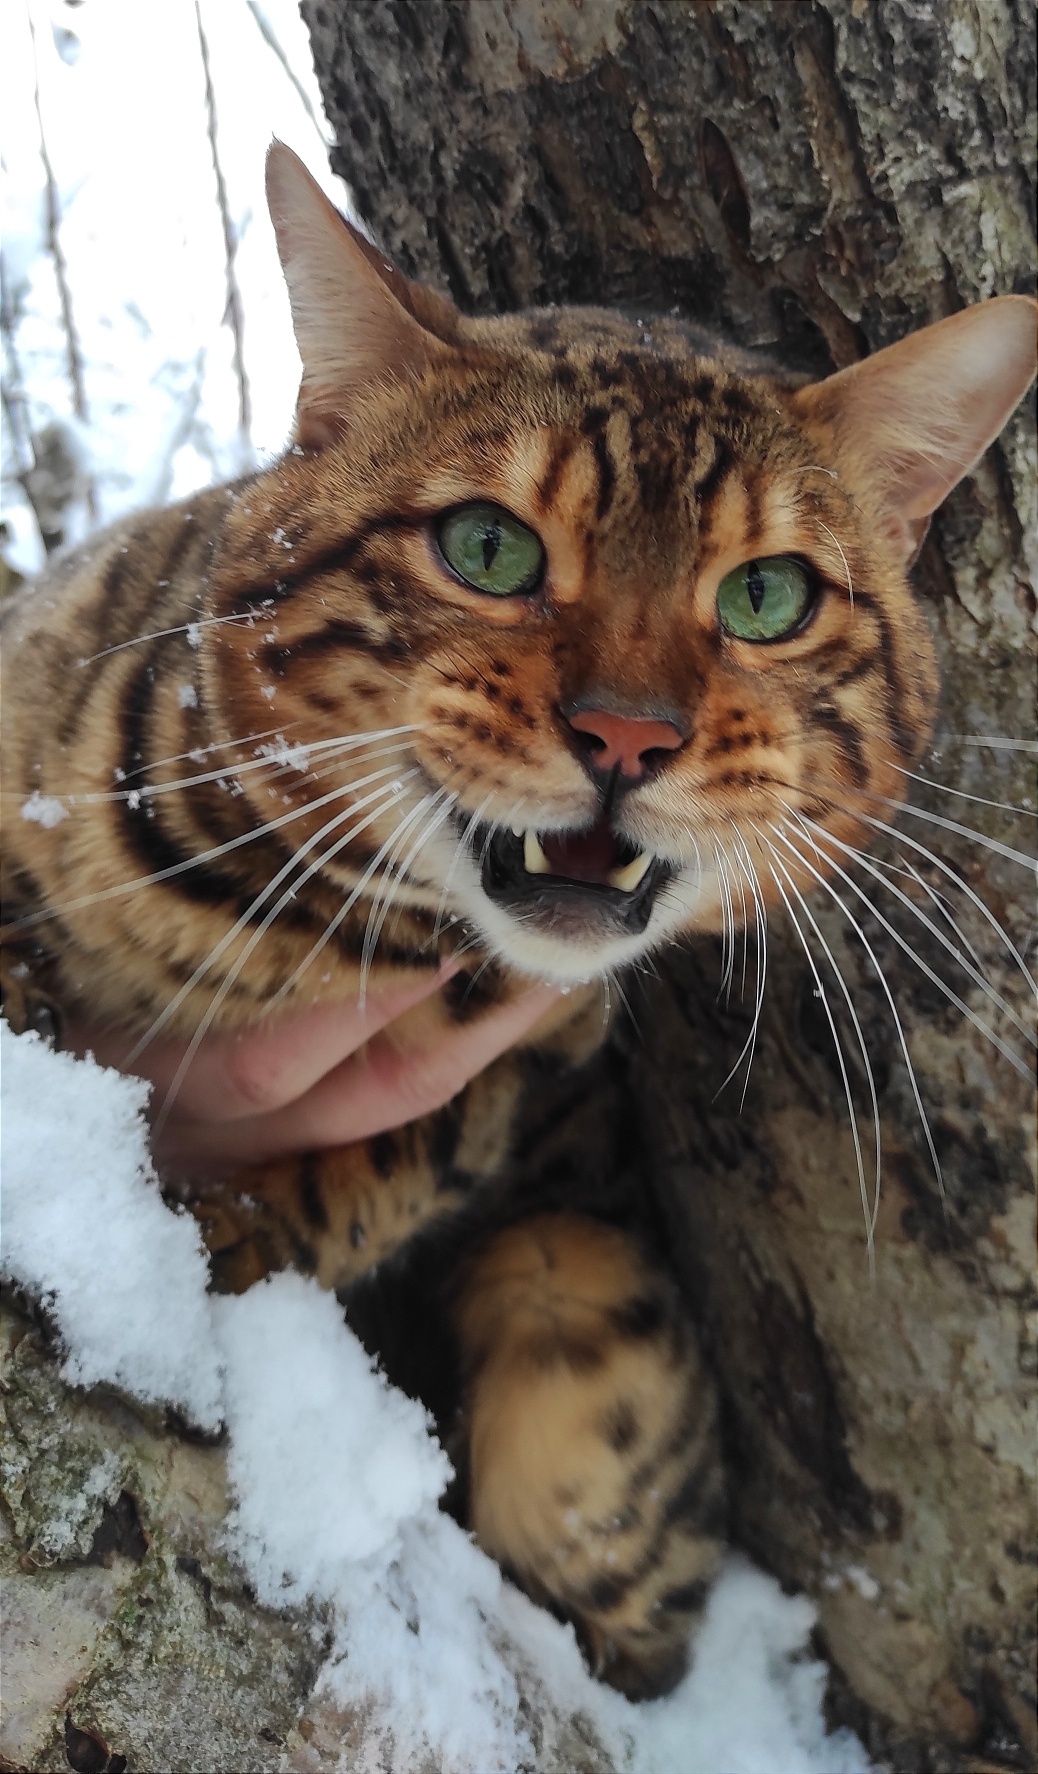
(818,178)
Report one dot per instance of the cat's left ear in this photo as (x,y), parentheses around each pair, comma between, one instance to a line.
(913,419)
(357,319)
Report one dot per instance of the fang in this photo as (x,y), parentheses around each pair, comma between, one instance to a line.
(534,860)
(632,873)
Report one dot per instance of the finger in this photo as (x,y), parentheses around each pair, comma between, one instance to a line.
(383,1087)
(243,1073)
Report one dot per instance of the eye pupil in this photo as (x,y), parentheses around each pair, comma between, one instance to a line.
(755,587)
(764,600)
(491,544)
(490,550)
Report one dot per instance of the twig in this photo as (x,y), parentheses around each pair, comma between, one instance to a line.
(230,246)
(270,37)
(53,217)
(180,433)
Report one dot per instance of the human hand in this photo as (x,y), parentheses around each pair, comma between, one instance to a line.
(320,1077)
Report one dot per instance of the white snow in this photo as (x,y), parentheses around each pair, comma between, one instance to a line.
(45,810)
(141,236)
(85,1229)
(336,1479)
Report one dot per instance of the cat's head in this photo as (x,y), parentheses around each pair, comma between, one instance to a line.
(631,624)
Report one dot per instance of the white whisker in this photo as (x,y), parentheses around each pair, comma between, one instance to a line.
(207,856)
(437,815)
(859,1160)
(995,742)
(836,544)
(159,634)
(941,907)
(749,1046)
(974,898)
(963,831)
(961,794)
(198,752)
(871,953)
(264,894)
(459,850)
(982,1027)
(386,798)
(350,901)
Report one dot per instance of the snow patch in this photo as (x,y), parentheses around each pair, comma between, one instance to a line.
(86,1230)
(337,1478)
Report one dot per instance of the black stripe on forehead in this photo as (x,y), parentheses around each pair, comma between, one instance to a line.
(561,453)
(606,475)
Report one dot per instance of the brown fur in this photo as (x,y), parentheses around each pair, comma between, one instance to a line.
(649,469)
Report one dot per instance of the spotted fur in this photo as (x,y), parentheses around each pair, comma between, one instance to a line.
(307,602)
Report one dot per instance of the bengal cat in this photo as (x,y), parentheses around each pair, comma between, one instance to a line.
(523,649)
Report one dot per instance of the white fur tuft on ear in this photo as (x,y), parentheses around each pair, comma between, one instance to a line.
(351,326)
(917,416)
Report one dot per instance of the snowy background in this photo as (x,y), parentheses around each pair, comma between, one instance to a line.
(147,351)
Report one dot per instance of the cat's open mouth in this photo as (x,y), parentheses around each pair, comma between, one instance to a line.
(582,873)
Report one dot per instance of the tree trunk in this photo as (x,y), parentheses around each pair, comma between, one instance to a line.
(817,178)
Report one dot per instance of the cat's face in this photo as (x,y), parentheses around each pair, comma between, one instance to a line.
(642,620)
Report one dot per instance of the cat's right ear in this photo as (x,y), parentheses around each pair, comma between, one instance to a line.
(353,313)
(913,419)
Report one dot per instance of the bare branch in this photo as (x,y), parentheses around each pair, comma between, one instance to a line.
(52,212)
(180,434)
(233,313)
(17,417)
(270,37)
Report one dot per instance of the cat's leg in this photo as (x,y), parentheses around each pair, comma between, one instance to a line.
(591,1441)
(336,1214)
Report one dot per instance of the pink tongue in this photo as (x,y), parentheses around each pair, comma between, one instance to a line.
(583,856)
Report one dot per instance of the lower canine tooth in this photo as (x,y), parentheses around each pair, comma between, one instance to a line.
(534,860)
(632,873)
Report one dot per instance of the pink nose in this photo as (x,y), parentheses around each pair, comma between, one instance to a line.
(627,741)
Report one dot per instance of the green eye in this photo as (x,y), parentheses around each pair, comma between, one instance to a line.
(490,549)
(763,600)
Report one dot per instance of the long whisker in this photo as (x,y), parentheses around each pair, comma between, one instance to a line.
(943,910)
(859,1160)
(206,856)
(727,923)
(261,898)
(198,752)
(830,957)
(871,953)
(437,815)
(949,947)
(739,872)
(387,798)
(749,1046)
(836,544)
(159,634)
(961,795)
(963,831)
(952,874)
(459,850)
(996,742)
(351,899)
(942,985)
(293,757)
(392,872)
